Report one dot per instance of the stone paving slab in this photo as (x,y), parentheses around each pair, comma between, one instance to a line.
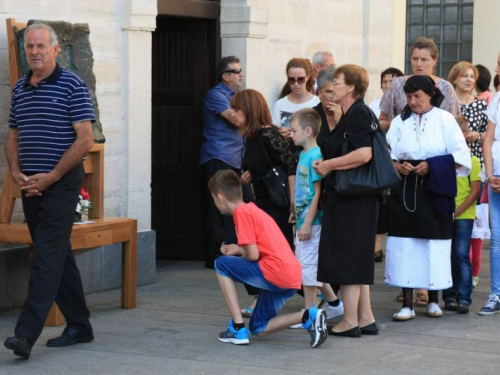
(175,326)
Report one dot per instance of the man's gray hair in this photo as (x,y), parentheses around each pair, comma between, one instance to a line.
(324,77)
(319,56)
(41,26)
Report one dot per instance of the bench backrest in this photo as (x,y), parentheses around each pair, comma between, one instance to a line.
(94,184)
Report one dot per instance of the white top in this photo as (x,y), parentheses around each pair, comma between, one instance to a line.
(436,134)
(375,106)
(493,113)
(284,108)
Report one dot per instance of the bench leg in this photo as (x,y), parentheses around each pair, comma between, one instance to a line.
(55,318)
(129,269)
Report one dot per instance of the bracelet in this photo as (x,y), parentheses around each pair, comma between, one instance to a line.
(488,178)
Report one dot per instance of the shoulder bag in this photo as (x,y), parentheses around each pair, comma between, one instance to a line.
(376,176)
(276,182)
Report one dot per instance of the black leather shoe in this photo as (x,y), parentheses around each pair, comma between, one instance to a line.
(353,332)
(20,346)
(71,336)
(370,329)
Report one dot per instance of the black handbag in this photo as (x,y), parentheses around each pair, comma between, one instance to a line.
(376,176)
(276,182)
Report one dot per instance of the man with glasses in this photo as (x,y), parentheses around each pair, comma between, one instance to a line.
(321,61)
(222,148)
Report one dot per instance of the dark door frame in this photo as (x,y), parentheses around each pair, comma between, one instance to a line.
(201,10)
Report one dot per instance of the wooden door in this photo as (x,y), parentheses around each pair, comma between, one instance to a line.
(184,53)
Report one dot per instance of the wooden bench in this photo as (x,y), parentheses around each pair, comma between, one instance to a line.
(101,232)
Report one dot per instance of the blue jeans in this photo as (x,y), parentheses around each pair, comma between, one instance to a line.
(494,207)
(271,297)
(461,269)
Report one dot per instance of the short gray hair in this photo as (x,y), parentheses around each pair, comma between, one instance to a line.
(324,77)
(41,26)
(319,57)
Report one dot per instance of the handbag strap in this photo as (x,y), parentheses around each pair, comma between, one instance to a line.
(261,136)
(375,123)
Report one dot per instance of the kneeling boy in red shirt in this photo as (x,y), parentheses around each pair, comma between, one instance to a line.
(261,258)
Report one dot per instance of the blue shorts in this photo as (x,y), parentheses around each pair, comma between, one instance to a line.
(271,298)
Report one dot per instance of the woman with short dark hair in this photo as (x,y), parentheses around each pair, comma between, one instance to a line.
(426,146)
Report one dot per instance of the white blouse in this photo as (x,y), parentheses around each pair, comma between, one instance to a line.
(436,133)
(493,113)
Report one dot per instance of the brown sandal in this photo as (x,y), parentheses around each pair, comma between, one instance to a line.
(400,297)
(422,300)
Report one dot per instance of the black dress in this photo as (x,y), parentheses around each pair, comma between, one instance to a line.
(349,223)
(255,161)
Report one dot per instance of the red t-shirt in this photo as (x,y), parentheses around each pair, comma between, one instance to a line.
(276,259)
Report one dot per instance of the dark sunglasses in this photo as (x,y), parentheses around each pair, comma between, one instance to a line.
(299,80)
(235,71)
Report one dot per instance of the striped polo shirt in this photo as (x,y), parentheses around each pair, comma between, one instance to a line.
(44,116)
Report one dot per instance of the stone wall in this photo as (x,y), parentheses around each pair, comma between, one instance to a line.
(266,34)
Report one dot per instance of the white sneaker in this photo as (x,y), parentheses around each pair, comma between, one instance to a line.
(296,326)
(404,314)
(332,311)
(434,310)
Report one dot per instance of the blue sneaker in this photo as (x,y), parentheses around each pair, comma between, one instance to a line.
(230,335)
(316,326)
(492,307)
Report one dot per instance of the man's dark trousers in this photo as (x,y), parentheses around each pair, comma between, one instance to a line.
(54,274)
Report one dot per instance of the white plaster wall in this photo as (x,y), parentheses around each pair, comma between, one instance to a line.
(485,46)
(266,34)
(125,107)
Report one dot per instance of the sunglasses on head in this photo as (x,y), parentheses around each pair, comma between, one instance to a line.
(298,80)
(235,71)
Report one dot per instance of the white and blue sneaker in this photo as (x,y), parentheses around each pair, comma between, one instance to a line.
(316,326)
(492,307)
(332,311)
(232,336)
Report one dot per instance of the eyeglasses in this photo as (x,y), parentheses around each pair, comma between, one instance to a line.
(338,83)
(235,71)
(298,80)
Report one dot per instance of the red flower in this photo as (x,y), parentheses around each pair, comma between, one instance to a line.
(84,194)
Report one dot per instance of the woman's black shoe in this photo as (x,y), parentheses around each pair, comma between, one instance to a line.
(370,329)
(353,332)
(379,256)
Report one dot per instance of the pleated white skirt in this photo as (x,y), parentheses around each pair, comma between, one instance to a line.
(418,263)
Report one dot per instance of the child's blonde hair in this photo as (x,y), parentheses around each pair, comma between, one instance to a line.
(307,118)
(463,123)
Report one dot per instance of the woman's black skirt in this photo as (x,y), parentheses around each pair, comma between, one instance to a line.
(348,240)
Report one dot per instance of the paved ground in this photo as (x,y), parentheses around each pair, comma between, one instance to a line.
(174,331)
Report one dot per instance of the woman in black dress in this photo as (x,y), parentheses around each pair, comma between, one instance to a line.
(254,119)
(349,223)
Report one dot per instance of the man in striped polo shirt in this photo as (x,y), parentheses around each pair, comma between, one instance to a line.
(50,133)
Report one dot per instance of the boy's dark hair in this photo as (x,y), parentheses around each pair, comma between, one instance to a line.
(394,72)
(463,123)
(483,79)
(307,118)
(223,65)
(228,183)
(496,81)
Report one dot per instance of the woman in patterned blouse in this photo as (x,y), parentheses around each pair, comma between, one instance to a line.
(463,76)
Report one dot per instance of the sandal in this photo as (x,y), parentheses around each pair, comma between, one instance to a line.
(422,300)
(400,297)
